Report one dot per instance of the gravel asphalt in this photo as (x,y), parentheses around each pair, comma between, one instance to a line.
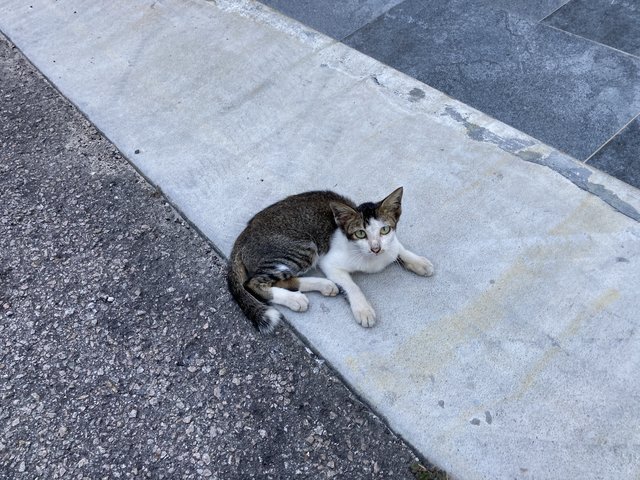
(121,352)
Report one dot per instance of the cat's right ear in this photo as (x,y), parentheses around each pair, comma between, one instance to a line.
(343,214)
(391,207)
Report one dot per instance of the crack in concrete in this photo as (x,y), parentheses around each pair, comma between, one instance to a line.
(557,162)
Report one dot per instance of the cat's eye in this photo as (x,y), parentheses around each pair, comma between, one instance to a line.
(360,234)
(384,230)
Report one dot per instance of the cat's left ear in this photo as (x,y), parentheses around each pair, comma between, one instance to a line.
(391,207)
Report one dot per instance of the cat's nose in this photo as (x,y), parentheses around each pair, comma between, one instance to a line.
(375,249)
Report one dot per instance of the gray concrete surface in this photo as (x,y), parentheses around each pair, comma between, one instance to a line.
(121,353)
(518,359)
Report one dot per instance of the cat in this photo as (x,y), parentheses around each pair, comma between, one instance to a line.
(322,228)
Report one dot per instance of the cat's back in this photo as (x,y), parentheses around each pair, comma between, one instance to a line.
(306,215)
(302,205)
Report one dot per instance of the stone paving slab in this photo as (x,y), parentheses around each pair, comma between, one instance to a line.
(518,358)
(495,56)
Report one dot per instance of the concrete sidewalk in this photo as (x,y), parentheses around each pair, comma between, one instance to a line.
(518,359)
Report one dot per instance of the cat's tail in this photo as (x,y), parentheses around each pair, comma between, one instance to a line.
(264,317)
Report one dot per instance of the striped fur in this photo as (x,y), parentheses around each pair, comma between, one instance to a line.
(279,244)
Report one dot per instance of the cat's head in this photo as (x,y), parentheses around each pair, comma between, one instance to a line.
(371,226)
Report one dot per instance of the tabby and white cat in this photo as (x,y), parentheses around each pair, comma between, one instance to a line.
(285,240)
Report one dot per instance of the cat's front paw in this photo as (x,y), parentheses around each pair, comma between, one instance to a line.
(329,289)
(420,266)
(365,315)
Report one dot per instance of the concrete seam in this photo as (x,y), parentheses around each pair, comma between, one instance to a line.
(580,178)
(564,165)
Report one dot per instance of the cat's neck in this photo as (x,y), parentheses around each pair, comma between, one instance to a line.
(344,255)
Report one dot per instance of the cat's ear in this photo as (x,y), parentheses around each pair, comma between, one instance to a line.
(391,207)
(343,214)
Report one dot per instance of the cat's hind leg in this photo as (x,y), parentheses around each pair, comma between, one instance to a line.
(296,301)
(289,292)
(310,284)
(317,284)
(277,275)
(265,287)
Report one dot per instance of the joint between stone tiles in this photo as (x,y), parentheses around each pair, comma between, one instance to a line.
(549,14)
(586,161)
(345,37)
(622,52)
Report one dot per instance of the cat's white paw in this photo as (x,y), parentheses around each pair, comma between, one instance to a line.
(296,301)
(420,266)
(329,289)
(365,315)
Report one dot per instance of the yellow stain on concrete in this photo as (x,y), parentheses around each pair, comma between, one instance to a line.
(594,308)
(352,363)
(592,215)
(590,311)
(431,349)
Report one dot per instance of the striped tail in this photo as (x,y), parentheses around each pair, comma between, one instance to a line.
(264,317)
